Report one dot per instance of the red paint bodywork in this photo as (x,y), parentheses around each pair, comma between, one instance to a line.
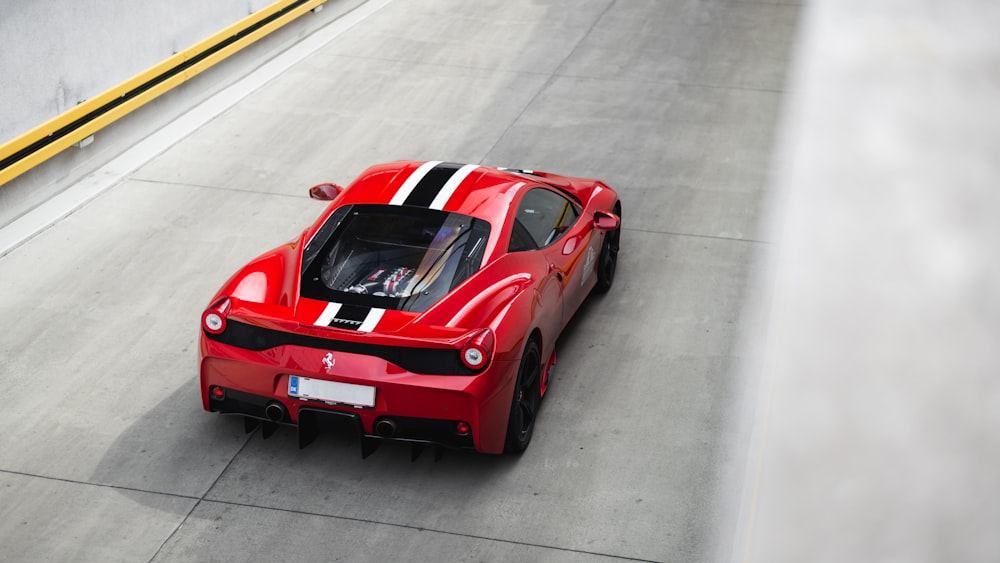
(520,295)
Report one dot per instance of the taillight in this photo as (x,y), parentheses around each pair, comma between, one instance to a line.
(478,350)
(214,317)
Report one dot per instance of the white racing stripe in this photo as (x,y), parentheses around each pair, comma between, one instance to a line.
(411,182)
(374,316)
(326,317)
(441,199)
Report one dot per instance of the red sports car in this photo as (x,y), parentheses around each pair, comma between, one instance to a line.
(422,306)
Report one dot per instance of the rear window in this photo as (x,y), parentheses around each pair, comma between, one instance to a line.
(392,257)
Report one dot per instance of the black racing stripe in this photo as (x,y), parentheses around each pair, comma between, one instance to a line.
(350,316)
(427,188)
(429,361)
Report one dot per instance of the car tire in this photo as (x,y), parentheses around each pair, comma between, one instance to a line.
(607,263)
(524,406)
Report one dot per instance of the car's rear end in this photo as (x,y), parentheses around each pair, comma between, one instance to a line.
(445,388)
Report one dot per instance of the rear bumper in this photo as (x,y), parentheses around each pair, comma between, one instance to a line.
(423,409)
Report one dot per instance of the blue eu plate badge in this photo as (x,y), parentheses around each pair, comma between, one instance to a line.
(293,385)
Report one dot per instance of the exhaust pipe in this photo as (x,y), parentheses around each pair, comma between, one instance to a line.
(385,428)
(275,411)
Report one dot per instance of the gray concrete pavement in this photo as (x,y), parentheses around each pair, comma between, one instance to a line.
(633,448)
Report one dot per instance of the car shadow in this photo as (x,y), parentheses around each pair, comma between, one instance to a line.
(175,448)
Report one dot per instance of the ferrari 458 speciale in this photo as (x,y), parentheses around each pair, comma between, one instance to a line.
(423,306)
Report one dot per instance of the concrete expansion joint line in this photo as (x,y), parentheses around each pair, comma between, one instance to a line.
(732,87)
(432,530)
(548,82)
(493,70)
(696,235)
(303,195)
(89,484)
(674,82)
(766,3)
(201,499)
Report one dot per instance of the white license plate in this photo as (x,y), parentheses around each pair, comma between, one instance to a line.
(331,391)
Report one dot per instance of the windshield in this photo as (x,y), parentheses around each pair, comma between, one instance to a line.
(392,257)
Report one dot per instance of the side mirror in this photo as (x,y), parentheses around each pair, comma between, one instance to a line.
(606,221)
(325,192)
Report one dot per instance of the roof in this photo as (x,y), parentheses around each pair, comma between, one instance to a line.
(478,191)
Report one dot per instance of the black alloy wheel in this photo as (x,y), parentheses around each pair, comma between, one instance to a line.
(527,397)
